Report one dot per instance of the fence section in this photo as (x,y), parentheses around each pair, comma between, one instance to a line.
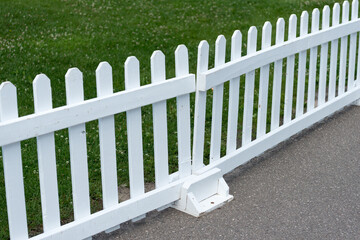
(74,115)
(321,89)
(324,94)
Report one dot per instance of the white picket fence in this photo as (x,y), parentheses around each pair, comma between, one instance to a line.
(195,188)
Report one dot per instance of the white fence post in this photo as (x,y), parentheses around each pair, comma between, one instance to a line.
(352,50)
(134,133)
(46,158)
(334,54)
(104,87)
(78,150)
(264,83)
(343,50)
(183,115)
(200,108)
(302,67)
(234,88)
(217,104)
(323,58)
(278,65)
(290,69)
(13,173)
(315,18)
(249,90)
(160,123)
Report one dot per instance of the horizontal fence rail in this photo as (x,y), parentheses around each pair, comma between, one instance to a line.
(274,92)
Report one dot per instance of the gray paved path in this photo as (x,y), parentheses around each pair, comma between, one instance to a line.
(306,188)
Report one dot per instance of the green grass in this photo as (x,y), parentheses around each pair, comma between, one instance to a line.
(51,36)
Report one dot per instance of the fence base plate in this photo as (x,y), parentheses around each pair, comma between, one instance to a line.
(203,193)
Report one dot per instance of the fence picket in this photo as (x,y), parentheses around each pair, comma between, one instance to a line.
(134,131)
(249,90)
(323,58)
(334,54)
(276,96)
(352,51)
(78,151)
(13,173)
(160,123)
(302,67)
(104,86)
(200,108)
(264,83)
(183,114)
(46,157)
(290,68)
(218,94)
(234,86)
(313,62)
(343,50)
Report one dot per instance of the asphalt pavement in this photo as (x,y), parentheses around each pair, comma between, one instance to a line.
(306,188)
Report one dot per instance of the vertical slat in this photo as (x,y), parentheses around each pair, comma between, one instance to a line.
(313,62)
(104,87)
(134,131)
(46,158)
(234,86)
(183,114)
(249,90)
(343,50)
(264,83)
(276,95)
(218,92)
(323,58)
(290,68)
(160,123)
(13,173)
(334,54)
(302,68)
(352,51)
(200,107)
(78,151)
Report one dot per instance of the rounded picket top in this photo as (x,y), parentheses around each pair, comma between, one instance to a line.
(236,41)
(131,62)
(104,67)
(280,23)
(293,18)
(73,74)
(236,37)
(181,60)
(157,55)
(203,57)
(280,30)
(266,27)
(326,12)
(220,40)
(315,13)
(336,10)
(354,9)
(304,14)
(252,33)
(104,81)
(181,52)
(292,26)
(345,11)
(41,81)
(220,50)
(8,101)
(132,73)
(42,93)
(157,66)
(74,86)
(315,19)
(304,22)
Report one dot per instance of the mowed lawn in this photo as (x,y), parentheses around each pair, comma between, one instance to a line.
(43,36)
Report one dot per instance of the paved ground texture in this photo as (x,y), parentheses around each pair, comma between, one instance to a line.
(306,188)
